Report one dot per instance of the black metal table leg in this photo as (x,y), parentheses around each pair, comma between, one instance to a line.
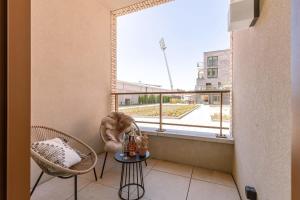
(36,183)
(62,177)
(126,174)
(103,166)
(128,190)
(122,173)
(95,174)
(137,179)
(141,175)
(75,187)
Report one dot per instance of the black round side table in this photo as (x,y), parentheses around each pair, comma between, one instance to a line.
(131,175)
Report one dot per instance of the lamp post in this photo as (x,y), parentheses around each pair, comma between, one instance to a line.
(163,48)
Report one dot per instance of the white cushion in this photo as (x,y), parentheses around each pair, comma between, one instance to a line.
(57,151)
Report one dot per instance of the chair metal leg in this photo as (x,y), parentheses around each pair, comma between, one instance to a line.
(146,163)
(75,187)
(95,174)
(36,183)
(103,165)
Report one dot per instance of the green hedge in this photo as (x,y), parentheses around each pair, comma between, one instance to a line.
(151,99)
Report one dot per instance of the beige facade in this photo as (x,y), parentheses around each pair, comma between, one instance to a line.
(70,73)
(262,103)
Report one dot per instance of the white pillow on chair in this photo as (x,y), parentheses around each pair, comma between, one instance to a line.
(57,151)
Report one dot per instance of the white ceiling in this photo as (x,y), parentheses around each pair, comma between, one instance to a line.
(116,4)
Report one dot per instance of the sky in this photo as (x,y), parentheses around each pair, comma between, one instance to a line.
(189,28)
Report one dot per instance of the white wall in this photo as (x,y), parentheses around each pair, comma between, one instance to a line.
(71,68)
(262,100)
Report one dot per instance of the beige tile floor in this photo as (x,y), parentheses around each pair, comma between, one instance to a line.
(163,181)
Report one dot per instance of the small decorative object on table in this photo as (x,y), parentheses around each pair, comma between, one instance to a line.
(142,145)
(125,145)
(132,146)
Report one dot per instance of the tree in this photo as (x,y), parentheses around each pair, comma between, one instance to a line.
(151,98)
(166,99)
(157,99)
(146,99)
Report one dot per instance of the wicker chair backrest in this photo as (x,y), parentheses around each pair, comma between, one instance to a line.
(89,157)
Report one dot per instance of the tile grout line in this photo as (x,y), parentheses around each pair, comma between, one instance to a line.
(211,182)
(159,170)
(187,194)
(171,173)
(216,183)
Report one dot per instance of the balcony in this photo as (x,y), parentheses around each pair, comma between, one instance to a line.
(200,148)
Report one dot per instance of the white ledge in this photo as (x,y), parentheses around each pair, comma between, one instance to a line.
(189,135)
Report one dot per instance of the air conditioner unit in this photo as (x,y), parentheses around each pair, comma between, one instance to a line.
(242,14)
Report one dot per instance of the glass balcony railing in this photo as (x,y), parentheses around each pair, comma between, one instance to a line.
(197,111)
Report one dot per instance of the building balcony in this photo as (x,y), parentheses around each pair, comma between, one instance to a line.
(205,145)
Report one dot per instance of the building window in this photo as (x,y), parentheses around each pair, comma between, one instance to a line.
(212,61)
(212,65)
(216,99)
(212,73)
(208,86)
(219,85)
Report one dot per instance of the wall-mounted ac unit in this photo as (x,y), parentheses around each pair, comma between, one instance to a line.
(242,14)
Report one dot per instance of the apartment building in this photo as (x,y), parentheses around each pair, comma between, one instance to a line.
(214,74)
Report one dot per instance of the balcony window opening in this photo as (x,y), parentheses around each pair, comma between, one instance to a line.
(173,74)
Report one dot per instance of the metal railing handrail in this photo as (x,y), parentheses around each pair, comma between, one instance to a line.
(161,123)
(174,92)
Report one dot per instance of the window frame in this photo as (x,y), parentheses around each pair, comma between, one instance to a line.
(210,72)
(211,61)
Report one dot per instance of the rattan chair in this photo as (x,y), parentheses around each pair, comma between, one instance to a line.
(136,130)
(87,163)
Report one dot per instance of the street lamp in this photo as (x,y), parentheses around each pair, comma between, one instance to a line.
(163,48)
